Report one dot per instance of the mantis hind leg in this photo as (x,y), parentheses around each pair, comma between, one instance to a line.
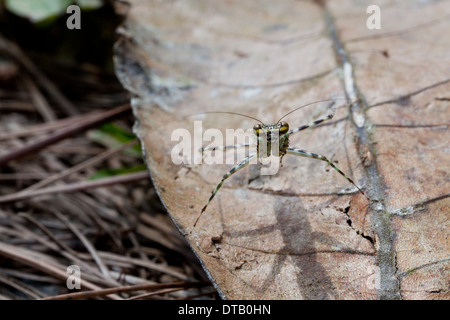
(307,154)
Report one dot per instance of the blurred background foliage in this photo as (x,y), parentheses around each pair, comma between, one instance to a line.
(39,27)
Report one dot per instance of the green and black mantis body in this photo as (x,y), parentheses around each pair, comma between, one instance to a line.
(273,139)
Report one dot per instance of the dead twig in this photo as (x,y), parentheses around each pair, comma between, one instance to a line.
(20,255)
(124,289)
(90,248)
(64,133)
(15,52)
(79,167)
(155,293)
(159,267)
(29,291)
(79,186)
(91,273)
(40,103)
(50,126)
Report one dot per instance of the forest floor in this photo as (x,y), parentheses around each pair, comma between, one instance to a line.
(76,201)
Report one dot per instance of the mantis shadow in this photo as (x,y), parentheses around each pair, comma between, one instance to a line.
(312,278)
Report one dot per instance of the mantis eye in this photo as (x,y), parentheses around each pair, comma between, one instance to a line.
(257,129)
(284,127)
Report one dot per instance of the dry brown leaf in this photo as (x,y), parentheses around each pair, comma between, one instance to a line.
(304,233)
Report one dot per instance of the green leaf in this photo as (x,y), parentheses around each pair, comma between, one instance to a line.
(38,10)
(105,173)
(112,136)
(89,4)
